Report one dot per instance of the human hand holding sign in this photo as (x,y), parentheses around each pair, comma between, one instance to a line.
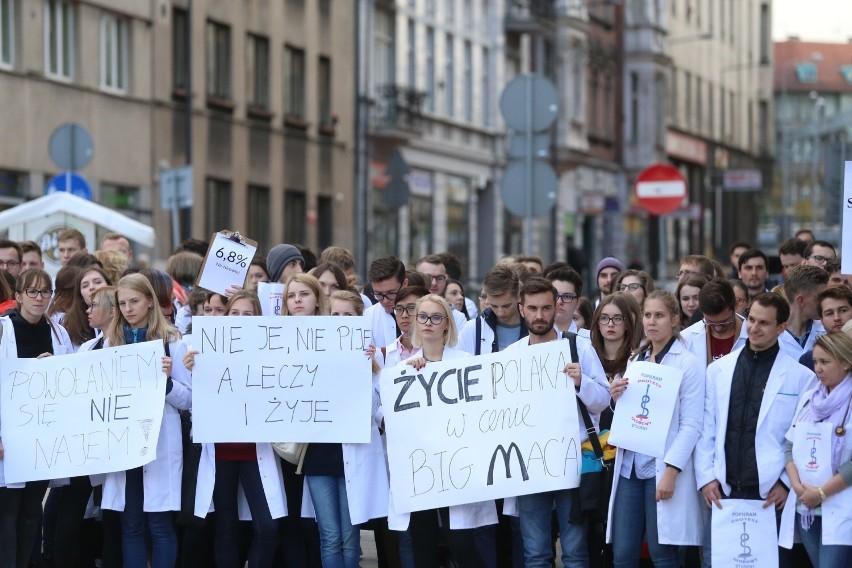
(573,370)
(617,388)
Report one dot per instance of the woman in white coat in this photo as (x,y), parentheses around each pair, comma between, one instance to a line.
(434,335)
(819,509)
(224,468)
(657,497)
(147,496)
(26,333)
(348,483)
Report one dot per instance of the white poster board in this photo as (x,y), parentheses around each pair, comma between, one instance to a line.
(227,262)
(81,414)
(644,411)
(744,535)
(846,239)
(281,379)
(271,296)
(478,428)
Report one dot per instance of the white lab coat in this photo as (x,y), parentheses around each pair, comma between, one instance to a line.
(836,510)
(270,477)
(695,337)
(9,350)
(162,477)
(788,380)
(382,324)
(469,516)
(791,347)
(679,519)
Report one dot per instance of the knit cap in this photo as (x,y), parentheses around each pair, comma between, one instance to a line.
(279,257)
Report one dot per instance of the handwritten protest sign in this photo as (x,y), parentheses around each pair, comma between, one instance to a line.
(281,379)
(744,535)
(479,428)
(644,412)
(81,414)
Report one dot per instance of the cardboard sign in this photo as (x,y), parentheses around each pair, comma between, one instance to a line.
(227,262)
(82,414)
(477,428)
(281,379)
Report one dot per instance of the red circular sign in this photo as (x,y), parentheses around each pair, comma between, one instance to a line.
(660,189)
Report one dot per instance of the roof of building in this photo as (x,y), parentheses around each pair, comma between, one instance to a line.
(813,66)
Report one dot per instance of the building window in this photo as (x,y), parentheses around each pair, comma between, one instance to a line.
(699,109)
(217,211)
(468,81)
(294,88)
(295,210)
(420,221)
(458,217)
(13,185)
(688,96)
(723,125)
(763,125)
(468,12)
(59,39)
(325,228)
(430,9)
(258,214)
(634,107)
(609,108)
(673,114)
(485,94)
(411,54)
(383,49)
(450,76)
(114,51)
(179,47)
(450,12)
(218,60)
(806,73)
(324,90)
(7,33)
(122,198)
(711,111)
(385,235)
(765,35)
(731,116)
(257,71)
(430,68)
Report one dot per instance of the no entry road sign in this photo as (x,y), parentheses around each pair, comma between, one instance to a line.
(660,189)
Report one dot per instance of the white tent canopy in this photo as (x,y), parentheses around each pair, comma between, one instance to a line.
(65,205)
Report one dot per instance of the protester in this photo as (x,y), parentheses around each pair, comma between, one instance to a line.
(147,496)
(742,299)
(348,482)
(330,277)
(695,265)
(820,515)
(63,292)
(26,332)
(454,294)
(637,283)
(434,337)
(687,296)
(226,468)
(569,287)
(69,243)
(582,317)
(257,273)
(753,271)
(31,257)
(76,320)
(721,330)
(283,261)
(605,273)
(650,496)
(11,257)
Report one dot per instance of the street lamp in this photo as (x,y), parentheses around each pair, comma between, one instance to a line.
(787,203)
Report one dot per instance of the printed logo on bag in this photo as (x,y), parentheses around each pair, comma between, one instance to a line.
(813,463)
(745,557)
(643,419)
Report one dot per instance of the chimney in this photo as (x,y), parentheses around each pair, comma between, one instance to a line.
(793,38)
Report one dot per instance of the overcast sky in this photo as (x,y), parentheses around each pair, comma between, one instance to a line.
(812,20)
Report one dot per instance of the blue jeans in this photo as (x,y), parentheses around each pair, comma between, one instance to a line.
(406,548)
(229,475)
(821,555)
(536,514)
(134,521)
(339,540)
(634,515)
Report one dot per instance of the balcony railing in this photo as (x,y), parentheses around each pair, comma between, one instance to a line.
(398,109)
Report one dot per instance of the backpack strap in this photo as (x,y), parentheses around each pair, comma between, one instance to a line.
(478,345)
(584,412)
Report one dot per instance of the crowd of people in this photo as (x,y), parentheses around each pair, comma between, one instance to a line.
(758,358)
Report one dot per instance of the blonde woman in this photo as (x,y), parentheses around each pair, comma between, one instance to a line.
(147,496)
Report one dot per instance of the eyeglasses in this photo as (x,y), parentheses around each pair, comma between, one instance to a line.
(632,287)
(9,264)
(387,295)
(439,278)
(409,309)
(566,298)
(436,319)
(685,272)
(35,292)
(741,301)
(614,320)
(718,324)
(819,258)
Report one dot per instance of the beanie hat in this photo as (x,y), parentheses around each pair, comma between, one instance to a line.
(279,257)
(608,262)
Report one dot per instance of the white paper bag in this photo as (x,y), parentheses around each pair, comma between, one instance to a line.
(644,412)
(812,452)
(744,535)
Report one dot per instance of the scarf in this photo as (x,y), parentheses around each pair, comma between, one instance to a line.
(831,407)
